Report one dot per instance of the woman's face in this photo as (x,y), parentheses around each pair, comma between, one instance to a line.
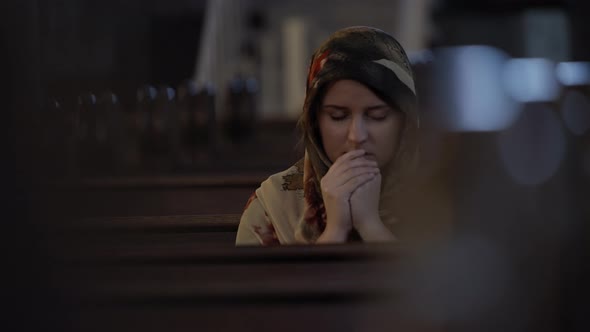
(352,117)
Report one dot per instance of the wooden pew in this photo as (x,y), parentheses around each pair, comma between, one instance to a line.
(183,273)
(187,287)
(152,274)
(153,231)
(221,183)
(161,195)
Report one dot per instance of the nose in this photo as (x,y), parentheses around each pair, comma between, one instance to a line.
(357,132)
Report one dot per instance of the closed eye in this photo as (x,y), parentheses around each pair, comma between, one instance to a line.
(336,113)
(377,117)
(379,114)
(338,117)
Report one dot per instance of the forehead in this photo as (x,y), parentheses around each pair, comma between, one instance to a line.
(350,92)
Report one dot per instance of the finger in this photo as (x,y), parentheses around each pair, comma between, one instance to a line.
(349,156)
(376,178)
(340,169)
(353,172)
(355,156)
(357,181)
(338,178)
(335,182)
(358,161)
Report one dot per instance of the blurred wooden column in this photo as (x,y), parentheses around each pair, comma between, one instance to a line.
(413,24)
(220,45)
(295,61)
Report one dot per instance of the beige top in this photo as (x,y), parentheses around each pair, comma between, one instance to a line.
(274,211)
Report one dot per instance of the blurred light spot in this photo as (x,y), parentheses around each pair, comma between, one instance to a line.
(534,147)
(420,57)
(209,88)
(152,92)
(576,112)
(237,85)
(573,73)
(531,80)
(170,93)
(88,98)
(468,92)
(251,85)
(146,92)
(192,88)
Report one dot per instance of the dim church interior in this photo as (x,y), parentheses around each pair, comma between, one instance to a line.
(97,249)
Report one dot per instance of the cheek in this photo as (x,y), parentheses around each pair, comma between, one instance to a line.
(387,140)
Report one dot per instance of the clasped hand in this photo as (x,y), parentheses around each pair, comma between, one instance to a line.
(351,190)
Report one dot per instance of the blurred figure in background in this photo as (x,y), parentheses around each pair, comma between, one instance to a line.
(359,126)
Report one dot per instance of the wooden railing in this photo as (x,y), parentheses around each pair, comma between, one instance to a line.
(152,231)
(183,273)
(186,286)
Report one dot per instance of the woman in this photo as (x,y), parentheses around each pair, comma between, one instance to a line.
(359,126)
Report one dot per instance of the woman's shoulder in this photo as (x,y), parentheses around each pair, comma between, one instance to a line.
(288,180)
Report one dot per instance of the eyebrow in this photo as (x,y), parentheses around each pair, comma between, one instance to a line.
(344,108)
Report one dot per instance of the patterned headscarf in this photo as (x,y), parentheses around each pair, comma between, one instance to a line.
(375,59)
